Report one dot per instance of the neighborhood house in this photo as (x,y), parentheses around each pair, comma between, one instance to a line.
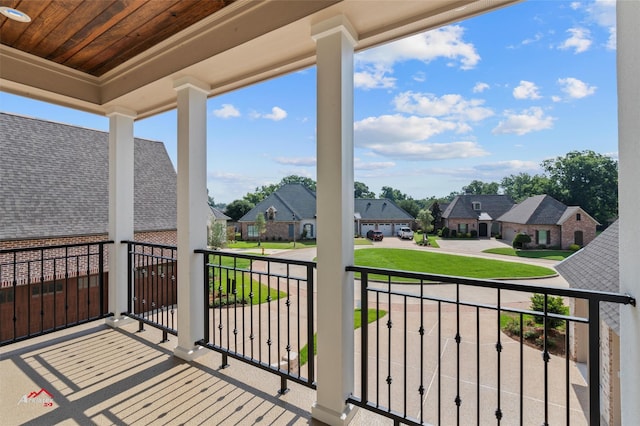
(291,211)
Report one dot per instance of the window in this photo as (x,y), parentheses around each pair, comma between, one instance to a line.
(476,205)
(271,213)
(578,216)
(92,281)
(463,228)
(252,231)
(543,237)
(6,295)
(48,288)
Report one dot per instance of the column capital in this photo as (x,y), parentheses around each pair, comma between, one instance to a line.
(191,82)
(337,24)
(118,110)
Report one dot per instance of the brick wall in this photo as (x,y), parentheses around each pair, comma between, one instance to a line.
(586,224)
(509,230)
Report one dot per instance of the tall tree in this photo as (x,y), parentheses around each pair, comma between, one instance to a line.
(477,187)
(304,181)
(436,212)
(586,179)
(523,185)
(392,194)
(238,208)
(410,206)
(425,221)
(360,190)
(261,225)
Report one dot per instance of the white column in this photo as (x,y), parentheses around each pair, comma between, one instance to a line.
(121,172)
(192,214)
(335,41)
(628,34)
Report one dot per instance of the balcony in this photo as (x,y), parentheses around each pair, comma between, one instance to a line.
(435,353)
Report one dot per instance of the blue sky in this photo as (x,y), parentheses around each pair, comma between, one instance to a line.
(481,99)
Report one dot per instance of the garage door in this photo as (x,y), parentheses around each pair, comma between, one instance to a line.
(386,229)
(365,227)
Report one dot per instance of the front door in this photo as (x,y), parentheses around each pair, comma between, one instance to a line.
(482,230)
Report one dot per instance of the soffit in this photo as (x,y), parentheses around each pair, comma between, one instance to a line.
(228,45)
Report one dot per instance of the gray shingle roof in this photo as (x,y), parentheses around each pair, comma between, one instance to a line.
(289,200)
(54,181)
(462,206)
(536,210)
(380,209)
(596,267)
(296,199)
(218,215)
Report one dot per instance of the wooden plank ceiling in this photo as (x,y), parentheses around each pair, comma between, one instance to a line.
(95,36)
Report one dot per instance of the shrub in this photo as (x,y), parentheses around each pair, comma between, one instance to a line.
(521,240)
(445,232)
(473,233)
(574,247)
(453,233)
(555,305)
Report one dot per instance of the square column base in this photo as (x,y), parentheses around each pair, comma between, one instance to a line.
(117,322)
(334,418)
(189,354)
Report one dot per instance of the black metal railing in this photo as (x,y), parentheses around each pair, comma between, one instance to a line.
(260,310)
(45,289)
(152,286)
(440,354)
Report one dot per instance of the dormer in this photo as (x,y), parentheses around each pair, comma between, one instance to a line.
(271,213)
(475,205)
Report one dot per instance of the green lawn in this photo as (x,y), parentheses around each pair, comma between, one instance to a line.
(447,264)
(244,284)
(432,239)
(372,315)
(281,245)
(531,254)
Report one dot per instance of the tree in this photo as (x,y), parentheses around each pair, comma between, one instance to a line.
(392,194)
(410,206)
(477,187)
(437,214)
(425,220)
(523,185)
(217,234)
(304,181)
(360,190)
(238,208)
(586,179)
(261,225)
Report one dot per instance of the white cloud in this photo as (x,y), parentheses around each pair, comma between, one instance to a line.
(530,120)
(576,89)
(296,161)
(447,106)
(373,66)
(509,166)
(526,90)
(413,151)
(603,13)
(391,129)
(575,5)
(533,39)
(277,114)
(377,165)
(373,78)
(580,40)
(226,111)
(480,87)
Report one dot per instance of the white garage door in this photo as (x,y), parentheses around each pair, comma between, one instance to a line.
(365,227)
(386,229)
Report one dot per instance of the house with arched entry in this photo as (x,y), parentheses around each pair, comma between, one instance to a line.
(549,222)
(470,212)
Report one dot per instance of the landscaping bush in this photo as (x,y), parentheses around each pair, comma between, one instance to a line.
(445,232)
(555,305)
(521,240)
(453,233)
(574,247)
(474,233)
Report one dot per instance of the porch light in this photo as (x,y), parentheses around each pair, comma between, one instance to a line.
(14,14)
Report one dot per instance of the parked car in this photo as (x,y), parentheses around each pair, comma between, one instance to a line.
(405,232)
(375,235)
